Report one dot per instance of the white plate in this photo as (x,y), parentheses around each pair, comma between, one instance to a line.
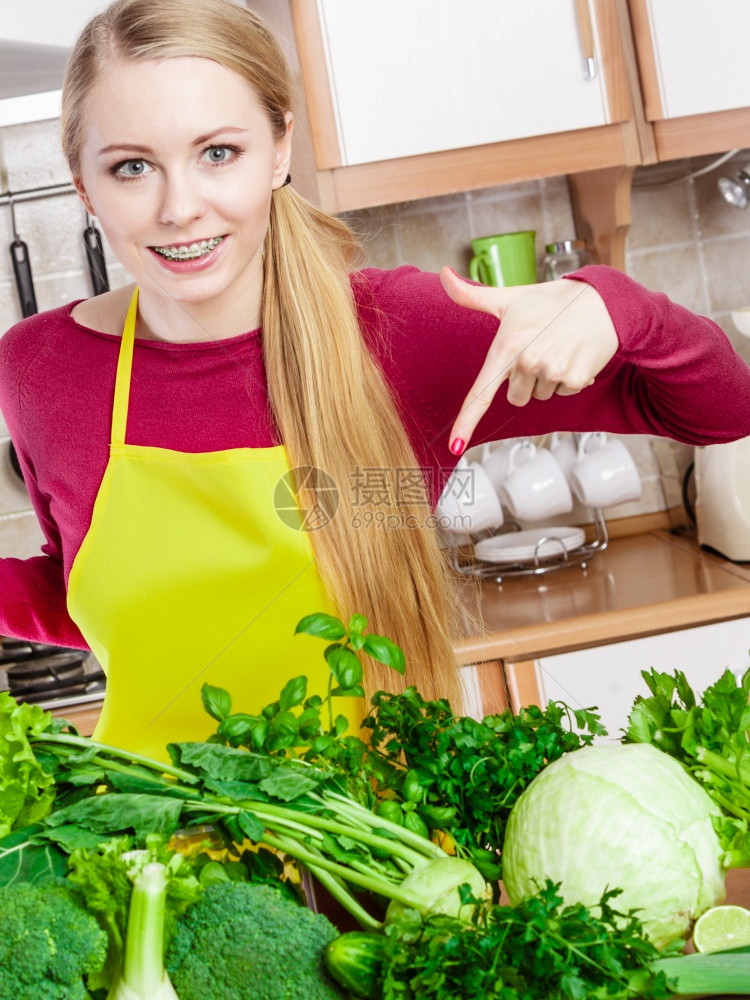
(526,546)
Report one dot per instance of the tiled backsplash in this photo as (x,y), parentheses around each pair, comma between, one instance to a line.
(684,240)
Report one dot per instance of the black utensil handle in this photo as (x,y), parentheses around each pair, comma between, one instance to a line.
(14,463)
(19,253)
(95,256)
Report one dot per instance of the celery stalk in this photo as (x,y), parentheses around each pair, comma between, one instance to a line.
(143,974)
(721,973)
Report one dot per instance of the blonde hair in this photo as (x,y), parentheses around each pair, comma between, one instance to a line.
(330,401)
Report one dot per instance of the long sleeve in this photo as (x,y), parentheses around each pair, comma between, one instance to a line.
(675,374)
(678,375)
(32,591)
(32,602)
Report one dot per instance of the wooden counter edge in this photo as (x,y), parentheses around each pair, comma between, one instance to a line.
(583,631)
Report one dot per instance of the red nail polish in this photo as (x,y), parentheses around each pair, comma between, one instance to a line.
(457,446)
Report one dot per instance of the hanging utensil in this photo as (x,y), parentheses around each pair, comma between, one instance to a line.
(19,253)
(14,463)
(92,239)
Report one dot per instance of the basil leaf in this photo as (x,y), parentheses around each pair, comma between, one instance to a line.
(344,665)
(322,625)
(216,701)
(293,693)
(385,651)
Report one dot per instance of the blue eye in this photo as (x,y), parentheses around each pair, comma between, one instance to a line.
(220,154)
(129,169)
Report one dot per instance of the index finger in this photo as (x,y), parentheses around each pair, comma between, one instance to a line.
(477,402)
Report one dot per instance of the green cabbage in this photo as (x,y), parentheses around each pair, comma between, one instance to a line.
(621,816)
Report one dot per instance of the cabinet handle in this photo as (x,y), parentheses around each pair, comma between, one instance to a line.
(586,32)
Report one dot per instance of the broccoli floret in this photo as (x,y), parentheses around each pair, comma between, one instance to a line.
(244,941)
(48,942)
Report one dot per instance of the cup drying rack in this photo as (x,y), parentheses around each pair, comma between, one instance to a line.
(465,563)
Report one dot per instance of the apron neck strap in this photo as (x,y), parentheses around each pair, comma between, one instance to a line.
(124,369)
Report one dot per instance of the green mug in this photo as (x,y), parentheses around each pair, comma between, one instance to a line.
(506,259)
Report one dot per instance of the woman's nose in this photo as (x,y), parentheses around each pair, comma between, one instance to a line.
(181,200)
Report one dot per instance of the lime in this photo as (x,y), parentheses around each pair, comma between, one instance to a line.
(722,927)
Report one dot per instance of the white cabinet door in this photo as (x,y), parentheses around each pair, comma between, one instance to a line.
(418,76)
(610,676)
(701,54)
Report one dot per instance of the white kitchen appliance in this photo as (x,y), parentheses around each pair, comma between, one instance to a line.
(722,502)
(722,485)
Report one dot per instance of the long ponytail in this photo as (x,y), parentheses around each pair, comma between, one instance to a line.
(335,413)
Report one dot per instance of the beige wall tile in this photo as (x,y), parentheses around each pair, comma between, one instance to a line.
(728,272)
(660,215)
(33,156)
(53,230)
(717,218)
(378,230)
(10,310)
(20,536)
(508,215)
(676,271)
(556,211)
(432,239)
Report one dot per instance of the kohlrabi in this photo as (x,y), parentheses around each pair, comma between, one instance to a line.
(618,817)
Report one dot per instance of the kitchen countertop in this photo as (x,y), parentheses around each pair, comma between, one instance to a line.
(641,585)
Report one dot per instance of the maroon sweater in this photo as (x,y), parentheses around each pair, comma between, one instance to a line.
(675,374)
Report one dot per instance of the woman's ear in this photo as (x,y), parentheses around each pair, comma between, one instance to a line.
(78,185)
(283,153)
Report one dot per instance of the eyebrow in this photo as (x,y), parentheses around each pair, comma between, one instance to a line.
(132,147)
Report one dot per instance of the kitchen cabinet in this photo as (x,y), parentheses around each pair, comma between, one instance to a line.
(408,101)
(410,79)
(428,98)
(609,677)
(692,65)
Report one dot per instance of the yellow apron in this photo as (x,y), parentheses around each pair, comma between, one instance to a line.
(187,575)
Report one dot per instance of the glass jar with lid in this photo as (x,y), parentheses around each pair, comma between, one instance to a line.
(564,258)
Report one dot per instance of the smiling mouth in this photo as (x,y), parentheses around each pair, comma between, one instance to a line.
(189,251)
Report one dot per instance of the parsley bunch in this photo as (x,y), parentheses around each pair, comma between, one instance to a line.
(540,948)
(463,776)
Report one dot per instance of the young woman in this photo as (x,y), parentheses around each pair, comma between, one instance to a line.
(198,446)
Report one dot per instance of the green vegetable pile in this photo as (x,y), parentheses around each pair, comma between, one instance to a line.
(404,832)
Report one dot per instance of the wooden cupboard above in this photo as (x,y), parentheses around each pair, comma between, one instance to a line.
(696,92)
(408,101)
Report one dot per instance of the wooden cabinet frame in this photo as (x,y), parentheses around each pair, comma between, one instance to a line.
(599,161)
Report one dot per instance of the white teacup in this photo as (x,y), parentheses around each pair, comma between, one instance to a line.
(536,487)
(495,461)
(565,450)
(469,502)
(605,473)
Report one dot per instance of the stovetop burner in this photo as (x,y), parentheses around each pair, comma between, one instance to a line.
(50,676)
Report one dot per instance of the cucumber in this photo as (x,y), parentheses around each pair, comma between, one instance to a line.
(354,961)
